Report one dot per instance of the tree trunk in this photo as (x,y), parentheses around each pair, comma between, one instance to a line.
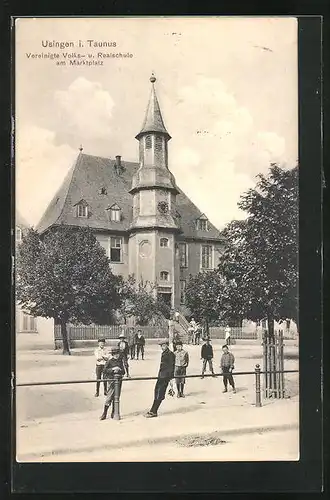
(64,334)
(270,321)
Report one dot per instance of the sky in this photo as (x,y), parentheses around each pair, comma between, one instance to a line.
(227,88)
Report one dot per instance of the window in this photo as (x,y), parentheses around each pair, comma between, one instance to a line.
(158,143)
(19,235)
(182,292)
(29,323)
(115,213)
(115,249)
(82,210)
(202,224)
(148,142)
(164,275)
(163,242)
(183,253)
(206,257)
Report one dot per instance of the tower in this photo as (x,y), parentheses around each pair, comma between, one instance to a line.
(155,222)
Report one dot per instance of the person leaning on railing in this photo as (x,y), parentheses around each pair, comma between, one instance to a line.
(113,366)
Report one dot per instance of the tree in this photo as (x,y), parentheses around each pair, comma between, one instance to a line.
(209,296)
(138,300)
(65,274)
(261,252)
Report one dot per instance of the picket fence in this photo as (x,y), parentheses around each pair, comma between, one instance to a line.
(94,332)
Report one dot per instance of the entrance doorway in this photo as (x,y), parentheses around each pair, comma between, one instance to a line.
(164,298)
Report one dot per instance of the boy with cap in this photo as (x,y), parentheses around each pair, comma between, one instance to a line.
(112,366)
(207,356)
(180,368)
(140,343)
(227,366)
(101,357)
(124,352)
(165,375)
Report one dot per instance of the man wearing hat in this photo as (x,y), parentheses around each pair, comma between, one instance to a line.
(181,363)
(165,375)
(124,352)
(112,366)
(207,356)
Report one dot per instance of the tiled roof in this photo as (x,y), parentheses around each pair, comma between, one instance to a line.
(85,181)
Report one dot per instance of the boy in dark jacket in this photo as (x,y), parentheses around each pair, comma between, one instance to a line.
(227,366)
(124,352)
(207,356)
(112,366)
(165,375)
(140,343)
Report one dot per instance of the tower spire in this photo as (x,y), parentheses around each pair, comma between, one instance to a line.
(153,121)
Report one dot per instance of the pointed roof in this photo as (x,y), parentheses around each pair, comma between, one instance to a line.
(153,121)
(84,180)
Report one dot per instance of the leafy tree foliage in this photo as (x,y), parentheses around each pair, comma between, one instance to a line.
(261,252)
(138,300)
(65,275)
(209,295)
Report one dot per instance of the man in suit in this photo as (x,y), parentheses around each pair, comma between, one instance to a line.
(165,375)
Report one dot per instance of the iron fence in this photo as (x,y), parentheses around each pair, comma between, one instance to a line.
(118,379)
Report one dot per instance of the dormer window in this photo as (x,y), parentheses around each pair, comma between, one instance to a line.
(158,143)
(164,242)
(202,223)
(82,209)
(148,142)
(164,275)
(115,213)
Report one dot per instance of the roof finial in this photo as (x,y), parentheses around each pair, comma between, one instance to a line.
(81,148)
(152,78)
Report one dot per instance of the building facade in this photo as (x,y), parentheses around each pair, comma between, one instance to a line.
(148,227)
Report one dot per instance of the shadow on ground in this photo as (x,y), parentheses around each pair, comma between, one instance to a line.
(70,401)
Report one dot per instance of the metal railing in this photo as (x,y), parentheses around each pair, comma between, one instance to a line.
(118,379)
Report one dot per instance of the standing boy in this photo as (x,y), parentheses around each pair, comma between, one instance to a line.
(113,365)
(207,356)
(140,343)
(101,357)
(180,368)
(227,366)
(124,352)
(131,343)
(165,375)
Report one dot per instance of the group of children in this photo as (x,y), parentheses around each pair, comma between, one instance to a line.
(173,365)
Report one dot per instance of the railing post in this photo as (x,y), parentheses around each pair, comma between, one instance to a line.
(116,413)
(258,396)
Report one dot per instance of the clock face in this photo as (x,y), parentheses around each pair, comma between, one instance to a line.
(163,207)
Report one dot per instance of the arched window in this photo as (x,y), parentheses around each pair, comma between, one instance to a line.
(164,242)
(158,143)
(148,142)
(164,275)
